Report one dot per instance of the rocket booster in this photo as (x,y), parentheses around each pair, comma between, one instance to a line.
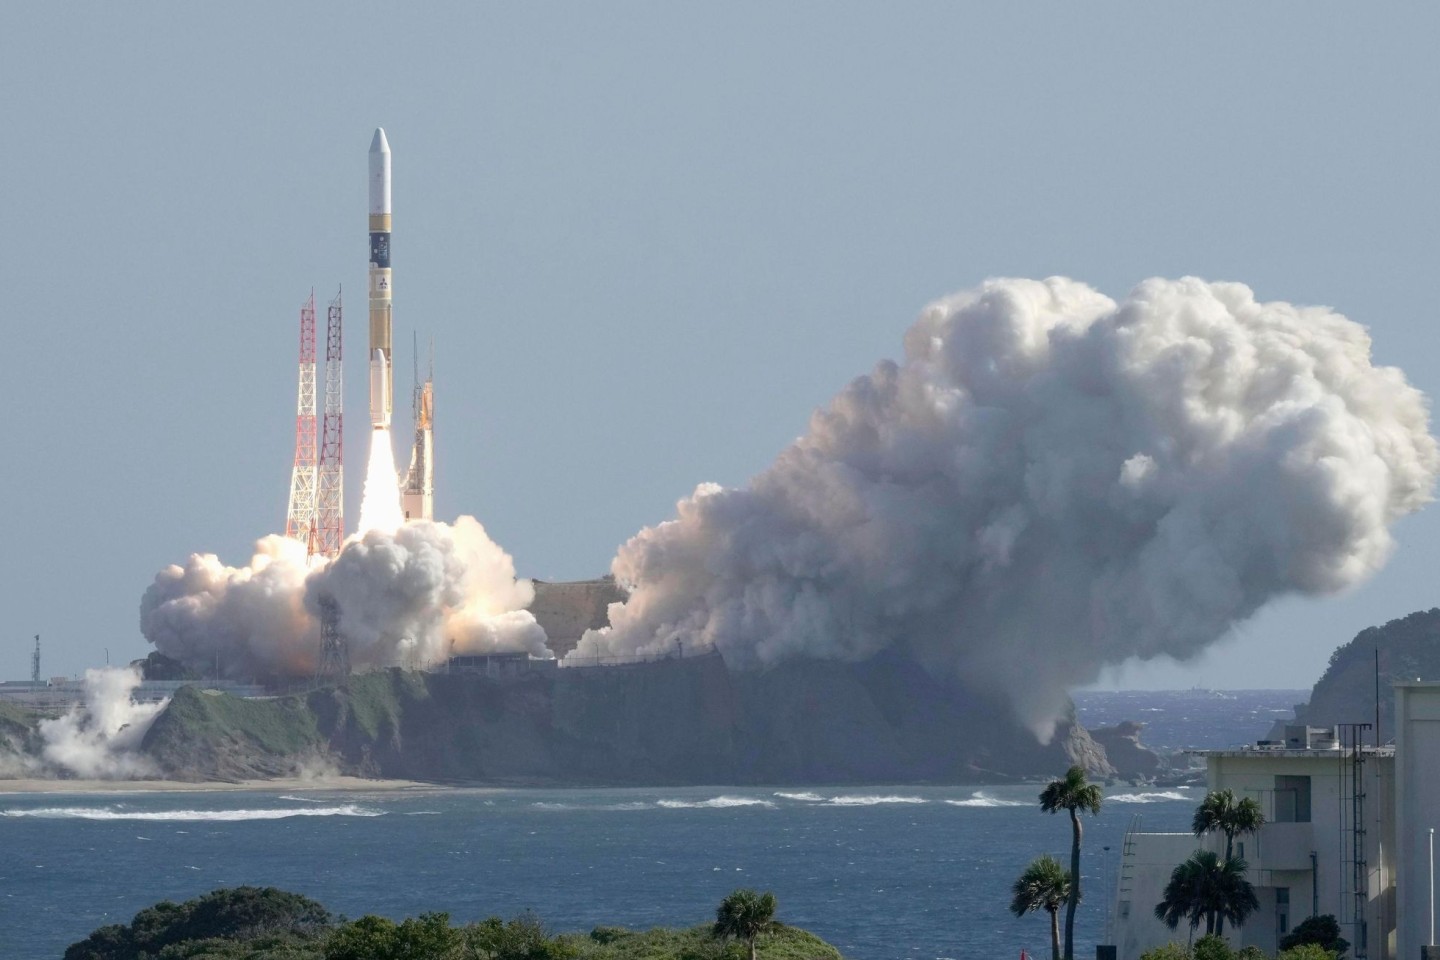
(379,391)
(382,367)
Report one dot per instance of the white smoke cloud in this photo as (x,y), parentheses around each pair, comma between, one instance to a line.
(408,597)
(413,594)
(237,622)
(98,738)
(1049,482)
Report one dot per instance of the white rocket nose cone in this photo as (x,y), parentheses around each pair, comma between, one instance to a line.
(379,144)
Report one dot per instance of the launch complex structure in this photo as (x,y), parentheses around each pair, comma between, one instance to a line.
(316,514)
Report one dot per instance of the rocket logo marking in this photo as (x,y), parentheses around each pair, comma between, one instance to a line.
(384,284)
(380,249)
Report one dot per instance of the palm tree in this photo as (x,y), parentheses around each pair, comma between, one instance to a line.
(1073,793)
(1220,812)
(1043,886)
(745,915)
(1204,886)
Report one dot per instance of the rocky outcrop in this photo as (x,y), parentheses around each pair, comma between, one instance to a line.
(688,721)
(1131,760)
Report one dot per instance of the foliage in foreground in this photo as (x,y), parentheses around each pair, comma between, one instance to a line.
(1212,947)
(1323,931)
(1074,794)
(250,923)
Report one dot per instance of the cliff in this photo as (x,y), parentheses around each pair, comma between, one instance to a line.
(671,722)
(1409,649)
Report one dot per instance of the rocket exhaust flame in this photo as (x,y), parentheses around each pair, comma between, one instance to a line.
(380,505)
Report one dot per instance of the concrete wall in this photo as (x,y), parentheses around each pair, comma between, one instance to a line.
(1146,861)
(1417,783)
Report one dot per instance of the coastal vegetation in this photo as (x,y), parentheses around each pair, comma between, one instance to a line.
(1322,931)
(1207,886)
(254,923)
(745,916)
(1043,886)
(1074,794)
(1222,812)
(1212,947)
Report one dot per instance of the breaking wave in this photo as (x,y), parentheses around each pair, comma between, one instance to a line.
(979,799)
(106,813)
(1155,797)
(872,800)
(801,797)
(714,803)
(633,805)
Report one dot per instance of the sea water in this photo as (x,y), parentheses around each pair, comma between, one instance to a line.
(881,872)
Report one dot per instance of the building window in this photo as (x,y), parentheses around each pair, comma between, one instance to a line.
(1292,799)
(1282,910)
(1239,850)
(1124,909)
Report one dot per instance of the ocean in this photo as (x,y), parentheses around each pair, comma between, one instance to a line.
(882,872)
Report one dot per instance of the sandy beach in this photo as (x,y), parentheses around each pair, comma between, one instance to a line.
(288,785)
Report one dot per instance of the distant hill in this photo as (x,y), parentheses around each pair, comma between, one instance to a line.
(1409,649)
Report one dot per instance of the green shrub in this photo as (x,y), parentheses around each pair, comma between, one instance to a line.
(1306,951)
(235,914)
(1323,930)
(1170,951)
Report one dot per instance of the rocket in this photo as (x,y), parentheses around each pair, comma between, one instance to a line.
(382,368)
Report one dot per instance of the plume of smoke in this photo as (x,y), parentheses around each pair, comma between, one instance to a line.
(1049,482)
(238,622)
(98,739)
(425,591)
(409,596)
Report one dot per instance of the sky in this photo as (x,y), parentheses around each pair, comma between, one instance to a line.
(647,240)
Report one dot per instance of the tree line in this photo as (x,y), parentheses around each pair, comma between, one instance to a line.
(264,923)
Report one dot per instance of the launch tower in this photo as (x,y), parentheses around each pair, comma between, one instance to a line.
(300,521)
(316,516)
(330,495)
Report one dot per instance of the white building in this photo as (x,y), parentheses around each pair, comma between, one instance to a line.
(1417,812)
(1327,846)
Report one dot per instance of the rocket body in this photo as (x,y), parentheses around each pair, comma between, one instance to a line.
(381,360)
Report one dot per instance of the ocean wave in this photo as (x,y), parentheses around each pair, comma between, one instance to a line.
(979,799)
(714,803)
(1156,797)
(105,813)
(802,797)
(871,800)
(606,807)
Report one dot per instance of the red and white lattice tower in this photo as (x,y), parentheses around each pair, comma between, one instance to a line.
(330,497)
(300,522)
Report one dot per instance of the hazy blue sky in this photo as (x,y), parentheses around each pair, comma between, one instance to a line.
(648,239)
